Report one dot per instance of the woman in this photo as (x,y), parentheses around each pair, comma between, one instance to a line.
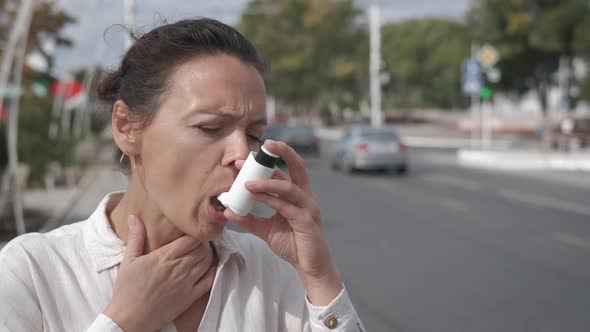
(188,105)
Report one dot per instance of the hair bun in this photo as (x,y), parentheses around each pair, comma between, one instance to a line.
(108,88)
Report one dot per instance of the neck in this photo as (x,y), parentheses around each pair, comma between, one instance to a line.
(159,230)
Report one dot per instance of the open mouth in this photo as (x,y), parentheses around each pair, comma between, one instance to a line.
(216,204)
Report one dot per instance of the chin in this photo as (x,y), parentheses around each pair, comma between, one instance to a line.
(207,231)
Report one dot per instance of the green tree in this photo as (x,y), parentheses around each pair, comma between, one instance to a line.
(34,148)
(423,57)
(317,49)
(531,36)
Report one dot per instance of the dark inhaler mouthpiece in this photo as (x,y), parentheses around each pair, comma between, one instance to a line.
(266,158)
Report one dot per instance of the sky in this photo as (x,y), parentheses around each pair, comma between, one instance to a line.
(98,39)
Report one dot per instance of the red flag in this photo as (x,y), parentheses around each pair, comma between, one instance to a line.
(3,113)
(66,89)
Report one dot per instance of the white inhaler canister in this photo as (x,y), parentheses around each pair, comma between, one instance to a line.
(259,165)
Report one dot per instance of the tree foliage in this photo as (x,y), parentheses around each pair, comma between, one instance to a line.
(531,36)
(318,48)
(423,57)
(34,148)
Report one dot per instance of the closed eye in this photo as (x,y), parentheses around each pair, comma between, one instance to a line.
(209,130)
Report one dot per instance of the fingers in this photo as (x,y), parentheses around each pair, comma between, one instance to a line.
(294,162)
(204,284)
(198,267)
(284,189)
(283,207)
(135,238)
(180,246)
(279,175)
(201,255)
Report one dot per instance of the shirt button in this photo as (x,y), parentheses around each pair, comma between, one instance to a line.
(331,322)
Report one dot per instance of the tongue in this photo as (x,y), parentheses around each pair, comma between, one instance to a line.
(217,204)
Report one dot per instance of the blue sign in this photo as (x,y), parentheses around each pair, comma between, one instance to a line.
(471,78)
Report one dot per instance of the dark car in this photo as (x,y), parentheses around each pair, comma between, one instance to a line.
(273,132)
(301,138)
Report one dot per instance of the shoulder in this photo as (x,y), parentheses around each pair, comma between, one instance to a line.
(40,243)
(38,251)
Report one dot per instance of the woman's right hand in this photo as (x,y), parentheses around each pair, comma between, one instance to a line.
(154,289)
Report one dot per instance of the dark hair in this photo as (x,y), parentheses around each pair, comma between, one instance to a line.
(143,76)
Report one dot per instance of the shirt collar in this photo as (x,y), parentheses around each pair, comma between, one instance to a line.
(107,250)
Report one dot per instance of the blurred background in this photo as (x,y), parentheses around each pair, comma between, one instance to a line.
(448,142)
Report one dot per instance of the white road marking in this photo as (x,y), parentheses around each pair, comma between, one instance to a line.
(453,181)
(454,204)
(473,186)
(571,240)
(385,185)
(544,201)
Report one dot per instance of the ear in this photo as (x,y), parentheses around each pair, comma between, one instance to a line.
(126,130)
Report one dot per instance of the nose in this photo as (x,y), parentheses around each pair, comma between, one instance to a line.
(236,149)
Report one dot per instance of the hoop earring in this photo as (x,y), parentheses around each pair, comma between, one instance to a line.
(130,161)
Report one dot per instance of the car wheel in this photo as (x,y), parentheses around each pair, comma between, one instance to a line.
(335,166)
(402,169)
(346,166)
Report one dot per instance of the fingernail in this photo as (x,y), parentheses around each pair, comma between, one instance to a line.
(249,184)
(130,221)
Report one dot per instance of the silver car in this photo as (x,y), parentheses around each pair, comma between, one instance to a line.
(368,148)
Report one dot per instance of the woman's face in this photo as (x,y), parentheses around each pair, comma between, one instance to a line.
(212,115)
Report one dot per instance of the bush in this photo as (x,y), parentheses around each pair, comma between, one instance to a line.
(34,146)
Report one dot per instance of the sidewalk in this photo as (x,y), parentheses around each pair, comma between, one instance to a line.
(418,138)
(525,160)
(74,203)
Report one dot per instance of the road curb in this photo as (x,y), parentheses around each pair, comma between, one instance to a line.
(446,143)
(334,134)
(525,160)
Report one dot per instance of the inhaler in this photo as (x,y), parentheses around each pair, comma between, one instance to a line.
(259,165)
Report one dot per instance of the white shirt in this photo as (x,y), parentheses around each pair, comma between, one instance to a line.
(62,281)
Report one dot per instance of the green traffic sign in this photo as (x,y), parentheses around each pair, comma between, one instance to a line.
(485,93)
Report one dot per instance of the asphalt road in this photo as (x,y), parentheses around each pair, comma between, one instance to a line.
(452,249)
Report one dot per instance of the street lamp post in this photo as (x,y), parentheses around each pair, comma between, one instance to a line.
(16,45)
(129,21)
(375,63)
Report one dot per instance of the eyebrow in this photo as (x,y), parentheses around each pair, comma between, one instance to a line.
(261,121)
